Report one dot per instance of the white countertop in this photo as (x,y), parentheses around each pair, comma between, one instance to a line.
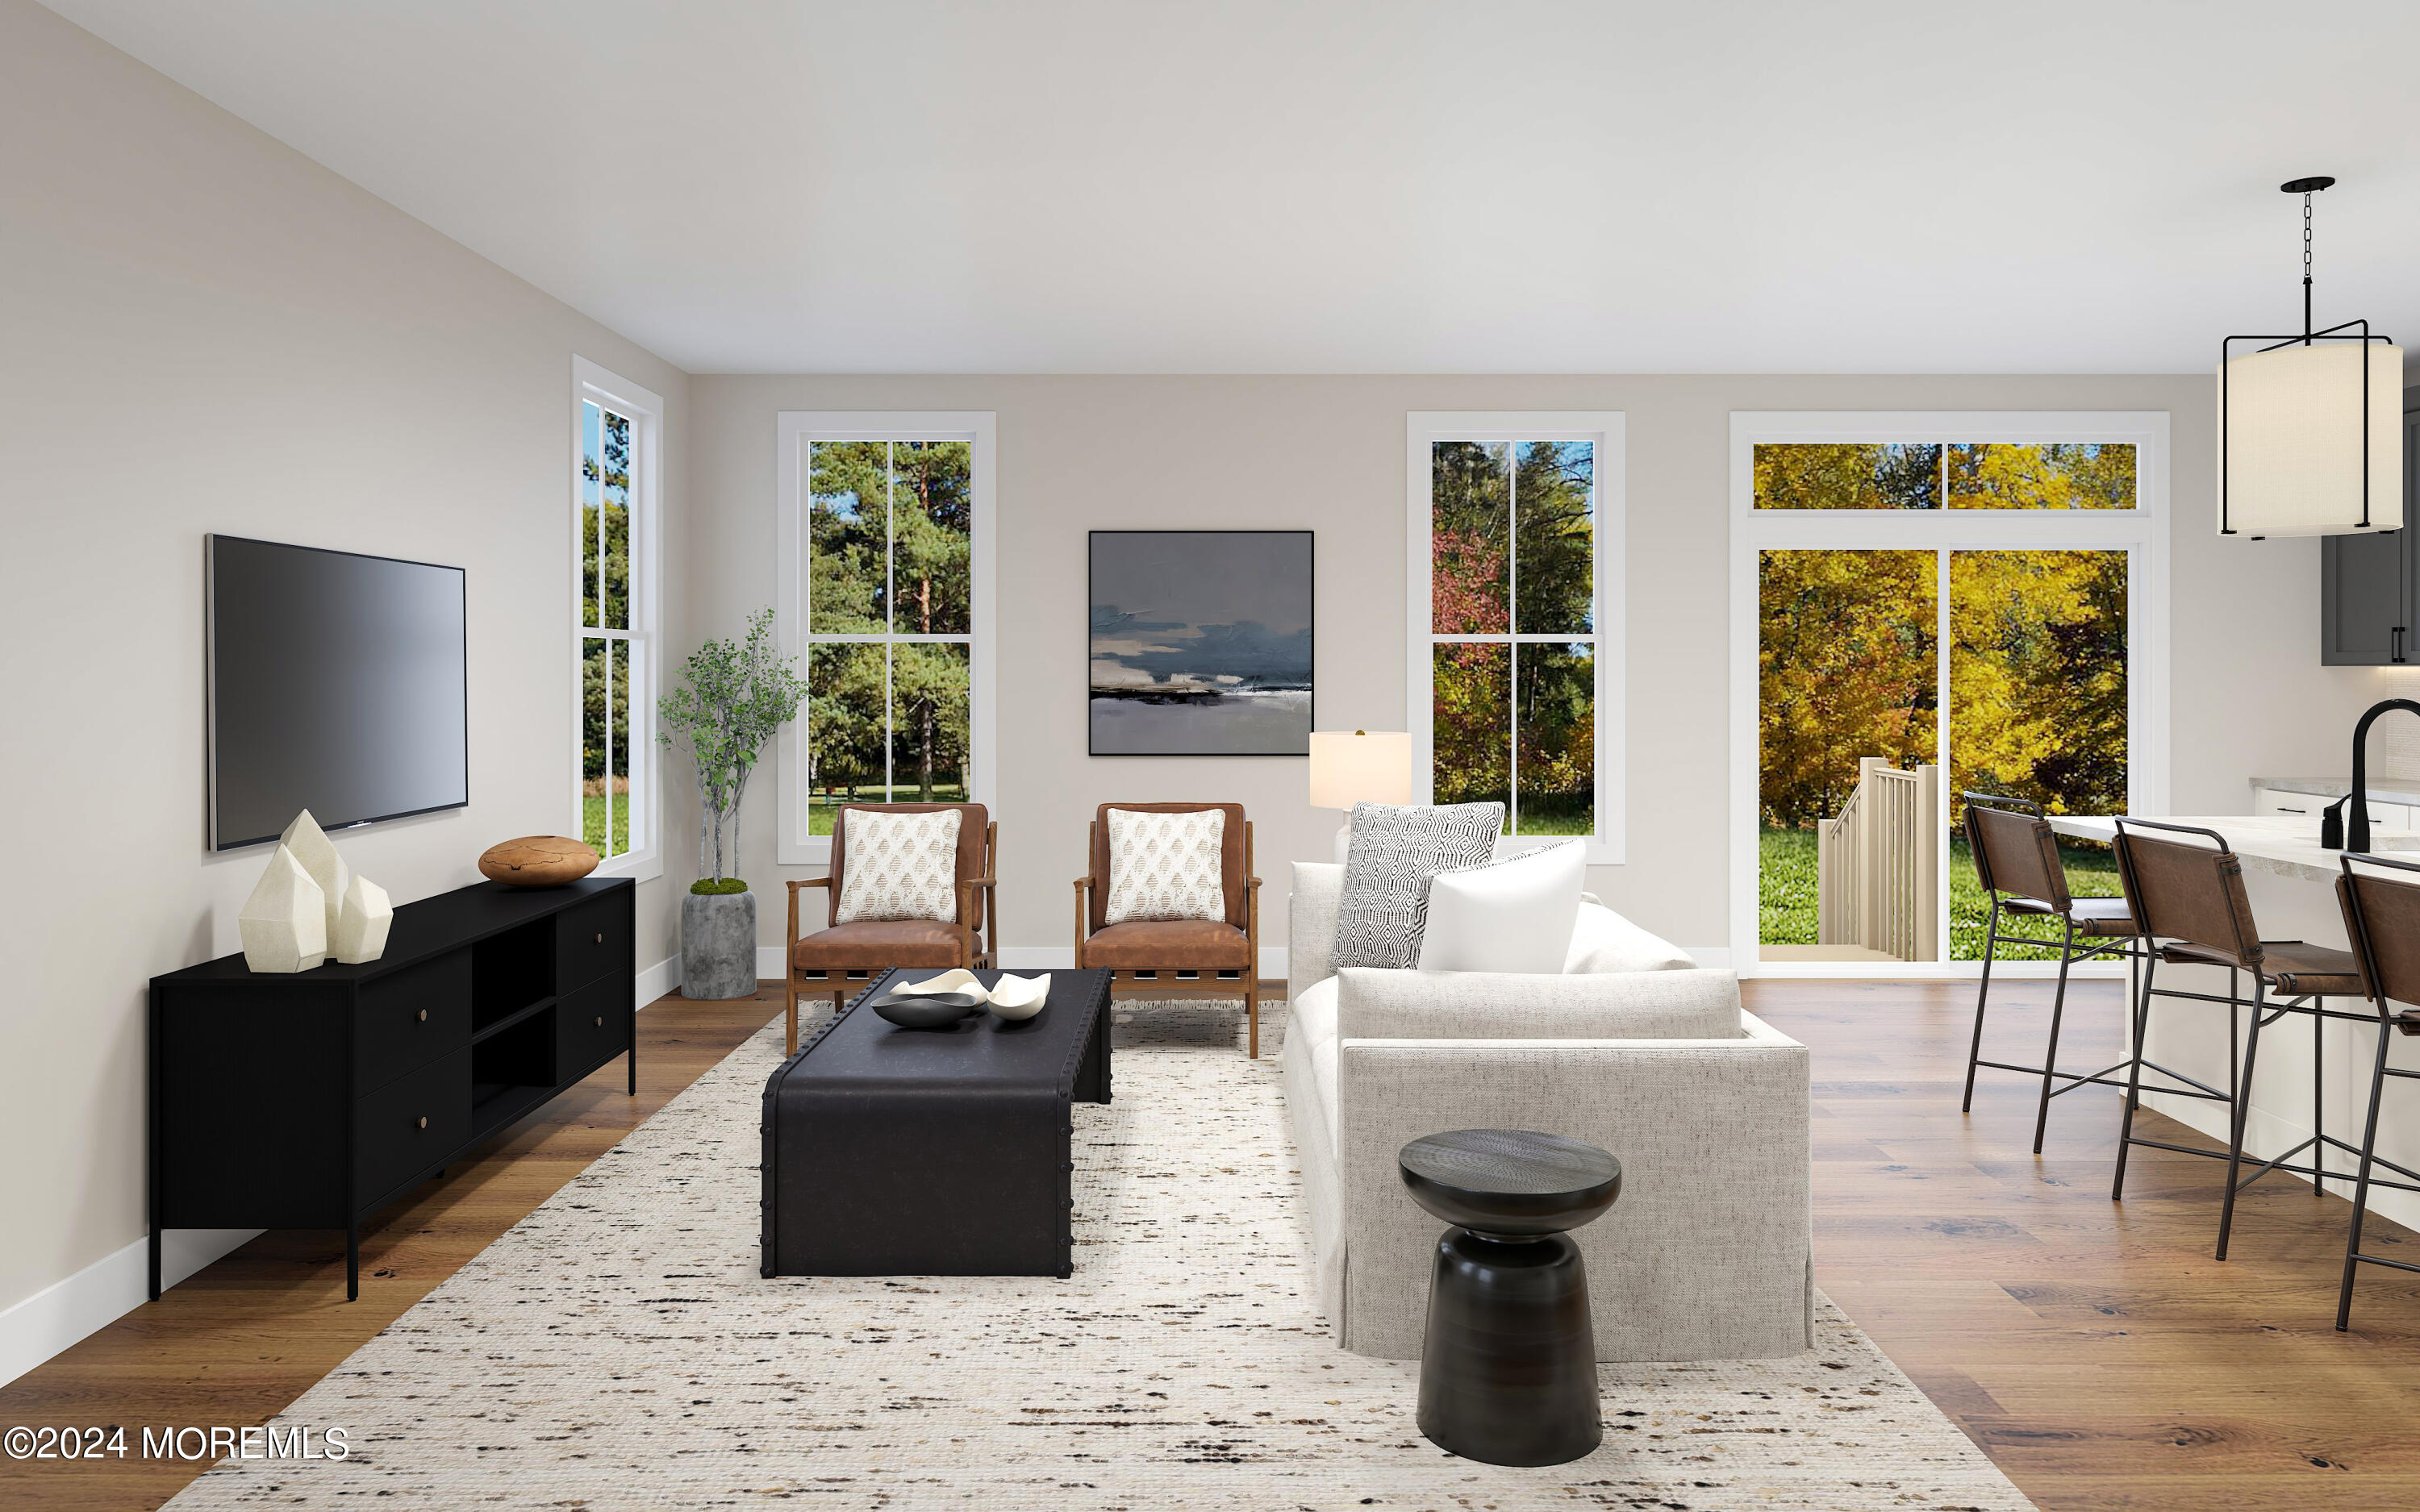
(2287,847)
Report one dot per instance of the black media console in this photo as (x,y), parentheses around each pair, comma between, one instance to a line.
(314,1100)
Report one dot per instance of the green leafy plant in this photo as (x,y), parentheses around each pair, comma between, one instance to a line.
(732,698)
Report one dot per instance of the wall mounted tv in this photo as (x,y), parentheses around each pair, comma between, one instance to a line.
(336,684)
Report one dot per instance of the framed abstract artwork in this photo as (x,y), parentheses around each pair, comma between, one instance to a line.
(1201,643)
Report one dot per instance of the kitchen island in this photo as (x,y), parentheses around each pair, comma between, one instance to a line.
(2290,880)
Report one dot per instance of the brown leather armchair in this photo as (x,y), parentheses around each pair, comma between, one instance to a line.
(1178,957)
(824,960)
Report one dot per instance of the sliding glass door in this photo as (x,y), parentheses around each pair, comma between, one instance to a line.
(1931,617)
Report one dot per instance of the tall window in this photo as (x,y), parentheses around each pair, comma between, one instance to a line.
(613,506)
(1515,665)
(886,584)
(1930,604)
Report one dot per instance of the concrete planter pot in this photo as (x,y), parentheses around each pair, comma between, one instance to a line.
(719,945)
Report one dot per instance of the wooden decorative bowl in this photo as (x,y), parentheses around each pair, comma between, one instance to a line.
(538,861)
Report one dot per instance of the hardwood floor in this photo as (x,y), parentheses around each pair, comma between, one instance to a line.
(238,1342)
(2096,1352)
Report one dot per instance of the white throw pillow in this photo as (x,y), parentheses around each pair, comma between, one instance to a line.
(899,866)
(1602,940)
(1166,865)
(1507,916)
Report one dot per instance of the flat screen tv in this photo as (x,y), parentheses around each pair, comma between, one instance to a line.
(336,684)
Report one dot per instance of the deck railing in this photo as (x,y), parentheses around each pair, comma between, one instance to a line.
(1878,864)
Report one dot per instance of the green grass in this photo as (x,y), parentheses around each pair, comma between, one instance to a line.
(1785,886)
(592,819)
(1786,890)
(820,808)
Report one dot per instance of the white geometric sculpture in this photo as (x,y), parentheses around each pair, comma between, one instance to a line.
(361,923)
(317,854)
(285,922)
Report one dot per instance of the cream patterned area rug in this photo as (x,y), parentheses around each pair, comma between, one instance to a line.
(618,1349)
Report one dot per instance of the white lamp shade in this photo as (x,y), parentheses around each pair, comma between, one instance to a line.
(2291,440)
(1350,767)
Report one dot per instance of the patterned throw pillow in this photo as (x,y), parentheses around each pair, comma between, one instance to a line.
(1384,910)
(900,866)
(1166,865)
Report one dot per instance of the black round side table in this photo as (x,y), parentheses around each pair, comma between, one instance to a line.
(1508,1375)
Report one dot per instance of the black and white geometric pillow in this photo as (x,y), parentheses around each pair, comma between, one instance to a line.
(1385,908)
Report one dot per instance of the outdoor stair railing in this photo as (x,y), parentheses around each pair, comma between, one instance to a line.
(1878,864)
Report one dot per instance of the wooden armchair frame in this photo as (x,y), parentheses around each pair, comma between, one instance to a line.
(977,951)
(1147,982)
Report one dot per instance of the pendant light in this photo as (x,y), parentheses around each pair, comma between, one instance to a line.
(2310,427)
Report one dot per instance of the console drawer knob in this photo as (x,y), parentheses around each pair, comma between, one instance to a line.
(600,1022)
(601,939)
(423,1015)
(424,1120)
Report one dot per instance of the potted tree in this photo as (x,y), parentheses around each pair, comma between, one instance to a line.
(731,699)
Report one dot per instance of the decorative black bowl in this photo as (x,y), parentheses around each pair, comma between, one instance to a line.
(927,1011)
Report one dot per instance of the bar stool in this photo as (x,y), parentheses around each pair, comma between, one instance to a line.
(2016,858)
(2382,920)
(2191,900)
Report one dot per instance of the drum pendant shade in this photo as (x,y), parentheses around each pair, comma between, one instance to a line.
(2310,427)
(2294,456)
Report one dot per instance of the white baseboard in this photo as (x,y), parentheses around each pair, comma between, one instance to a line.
(69,1311)
(664,977)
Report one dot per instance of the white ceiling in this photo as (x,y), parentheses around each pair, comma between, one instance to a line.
(1390,186)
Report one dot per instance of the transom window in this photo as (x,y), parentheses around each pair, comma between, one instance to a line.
(1862,475)
(884,592)
(1515,521)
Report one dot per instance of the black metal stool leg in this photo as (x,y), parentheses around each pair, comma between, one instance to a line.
(2057,1010)
(2360,1180)
(2319,1100)
(2242,1108)
(1982,991)
(2142,1013)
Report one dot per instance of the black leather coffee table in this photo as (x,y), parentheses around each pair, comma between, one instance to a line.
(1508,1371)
(891,1151)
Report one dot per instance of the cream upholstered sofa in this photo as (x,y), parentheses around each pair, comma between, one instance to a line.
(1706,1256)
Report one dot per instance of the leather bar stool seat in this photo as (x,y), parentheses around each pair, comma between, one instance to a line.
(2294,967)
(2101,917)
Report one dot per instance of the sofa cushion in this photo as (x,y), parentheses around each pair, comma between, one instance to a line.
(1602,940)
(1512,914)
(1169,945)
(1311,1031)
(1493,1005)
(871,945)
(1395,850)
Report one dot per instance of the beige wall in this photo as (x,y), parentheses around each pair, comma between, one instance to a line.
(1327,453)
(202,331)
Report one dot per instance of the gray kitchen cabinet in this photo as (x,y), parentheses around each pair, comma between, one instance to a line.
(2370,583)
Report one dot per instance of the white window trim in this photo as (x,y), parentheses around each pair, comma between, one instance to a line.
(795,428)
(1605,427)
(2141,531)
(645,409)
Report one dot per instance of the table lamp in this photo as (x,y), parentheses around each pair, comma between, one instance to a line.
(1361,768)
